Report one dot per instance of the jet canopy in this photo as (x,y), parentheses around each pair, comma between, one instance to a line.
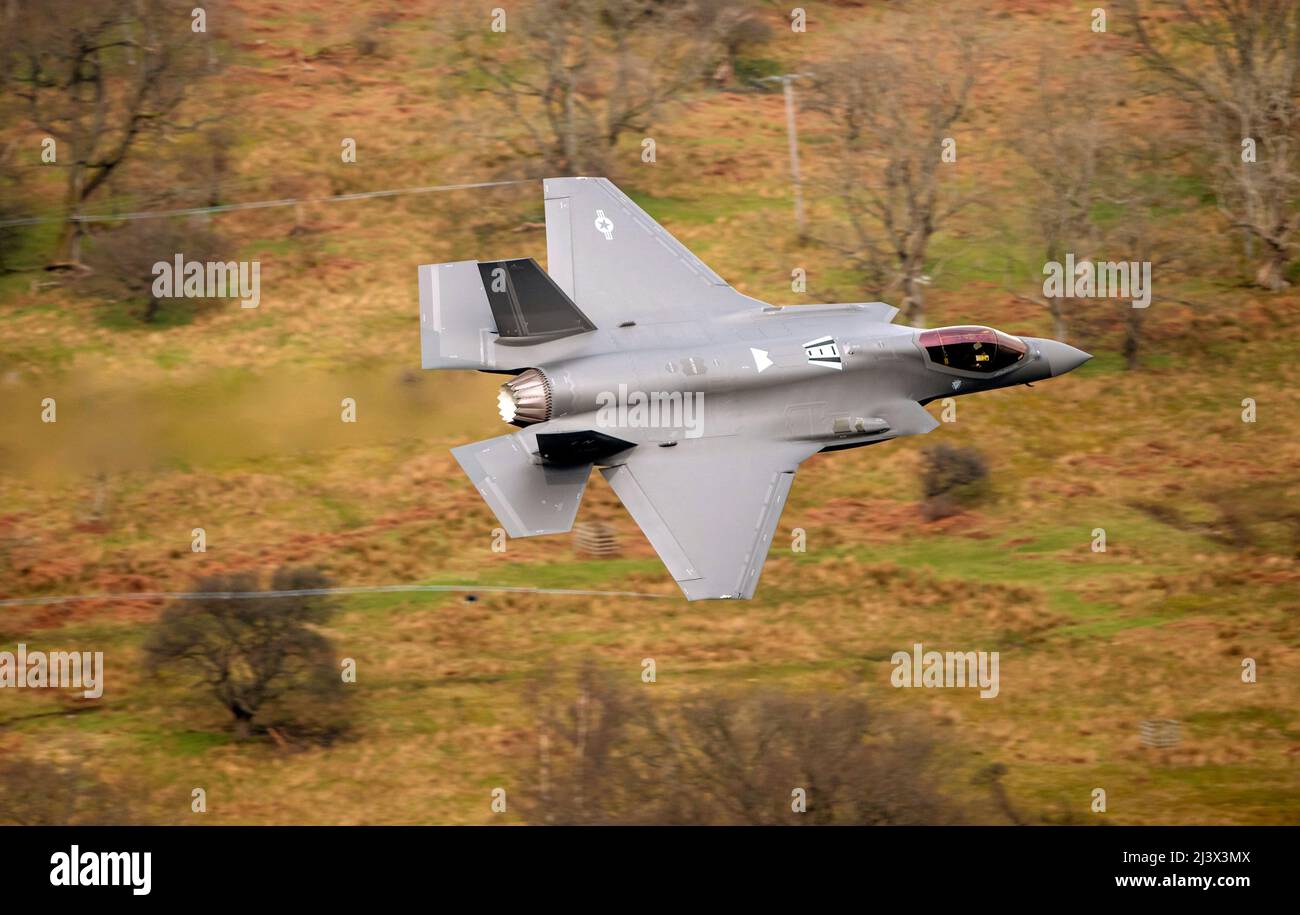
(972,349)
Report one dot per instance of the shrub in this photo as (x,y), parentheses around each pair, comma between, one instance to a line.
(35,792)
(260,657)
(951,479)
(122,261)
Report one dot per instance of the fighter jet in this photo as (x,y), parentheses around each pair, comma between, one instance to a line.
(696,402)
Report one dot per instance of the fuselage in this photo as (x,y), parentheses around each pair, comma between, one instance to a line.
(831,376)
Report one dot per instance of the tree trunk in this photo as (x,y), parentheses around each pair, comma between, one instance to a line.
(1132,337)
(913,300)
(68,248)
(1272,271)
(1060,324)
(570,138)
(243,723)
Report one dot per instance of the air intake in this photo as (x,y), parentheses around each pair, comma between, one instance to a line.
(525,399)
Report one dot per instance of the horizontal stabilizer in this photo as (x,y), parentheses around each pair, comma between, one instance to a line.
(527,498)
(456,324)
(469,308)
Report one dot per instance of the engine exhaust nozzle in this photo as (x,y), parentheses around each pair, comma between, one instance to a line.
(525,399)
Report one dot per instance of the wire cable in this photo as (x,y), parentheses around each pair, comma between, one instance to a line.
(314,592)
(258,204)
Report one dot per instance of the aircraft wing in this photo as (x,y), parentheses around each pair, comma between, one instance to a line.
(619,265)
(709,507)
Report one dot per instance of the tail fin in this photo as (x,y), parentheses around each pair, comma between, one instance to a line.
(527,498)
(619,265)
(467,308)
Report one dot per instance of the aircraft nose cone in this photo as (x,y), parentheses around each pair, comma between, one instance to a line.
(1062,357)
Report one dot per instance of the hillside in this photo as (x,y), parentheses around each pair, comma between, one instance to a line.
(228,420)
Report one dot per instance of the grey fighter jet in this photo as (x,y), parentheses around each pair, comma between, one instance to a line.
(696,402)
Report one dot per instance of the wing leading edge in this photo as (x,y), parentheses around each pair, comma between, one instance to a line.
(709,507)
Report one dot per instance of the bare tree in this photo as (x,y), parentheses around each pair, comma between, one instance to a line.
(740,28)
(1066,150)
(890,115)
(1242,79)
(609,755)
(1146,199)
(99,78)
(1099,193)
(577,75)
(251,651)
(11,207)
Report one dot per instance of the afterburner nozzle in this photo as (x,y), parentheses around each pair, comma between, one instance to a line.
(525,399)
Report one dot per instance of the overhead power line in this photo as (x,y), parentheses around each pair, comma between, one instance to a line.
(257,204)
(51,600)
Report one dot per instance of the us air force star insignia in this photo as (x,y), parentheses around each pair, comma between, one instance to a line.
(824,351)
(604,225)
(760,358)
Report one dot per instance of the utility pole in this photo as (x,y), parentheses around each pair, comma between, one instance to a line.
(792,136)
(792,132)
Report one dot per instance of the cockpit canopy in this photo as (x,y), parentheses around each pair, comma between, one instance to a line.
(972,349)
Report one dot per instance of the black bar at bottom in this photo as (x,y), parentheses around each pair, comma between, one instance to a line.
(235,864)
